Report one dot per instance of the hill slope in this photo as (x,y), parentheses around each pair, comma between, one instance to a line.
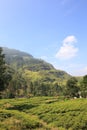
(32,76)
(19,59)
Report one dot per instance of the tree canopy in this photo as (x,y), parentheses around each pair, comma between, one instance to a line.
(83,86)
(2,70)
(71,87)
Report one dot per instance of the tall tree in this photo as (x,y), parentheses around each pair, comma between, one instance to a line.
(71,87)
(2,70)
(83,87)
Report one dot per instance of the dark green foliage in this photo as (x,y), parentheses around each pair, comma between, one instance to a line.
(17,86)
(83,87)
(2,71)
(5,76)
(71,87)
(5,73)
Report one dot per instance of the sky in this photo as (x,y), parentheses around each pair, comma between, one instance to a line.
(53,30)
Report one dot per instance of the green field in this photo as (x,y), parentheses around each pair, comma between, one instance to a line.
(43,113)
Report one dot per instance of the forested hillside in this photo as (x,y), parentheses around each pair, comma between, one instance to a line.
(19,59)
(27,76)
(31,76)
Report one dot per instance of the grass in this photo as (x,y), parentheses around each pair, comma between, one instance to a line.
(43,113)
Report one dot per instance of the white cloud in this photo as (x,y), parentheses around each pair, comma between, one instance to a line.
(68,49)
(70,39)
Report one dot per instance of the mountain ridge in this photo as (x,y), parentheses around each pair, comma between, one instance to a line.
(23,58)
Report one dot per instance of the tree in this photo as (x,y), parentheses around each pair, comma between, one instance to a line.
(57,90)
(5,75)
(83,87)
(2,71)
(71,87)
(17,86)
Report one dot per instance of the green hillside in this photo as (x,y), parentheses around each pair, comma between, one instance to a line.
(18,59)
(27,76)
(31,76)
(21,59)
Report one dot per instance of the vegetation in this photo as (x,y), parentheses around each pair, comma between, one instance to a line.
(2,71)
(72,88)
(4,75)
(83,87)
(31,77)
(24,76)
(43,113)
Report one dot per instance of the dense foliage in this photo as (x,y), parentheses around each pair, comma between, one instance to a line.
(4,74)
(2,71)
(72,87)
(83,87)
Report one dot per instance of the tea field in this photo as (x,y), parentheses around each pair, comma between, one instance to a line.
(43,113)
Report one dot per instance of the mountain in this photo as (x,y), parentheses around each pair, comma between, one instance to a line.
(14,52)
(32,76)
(18,59)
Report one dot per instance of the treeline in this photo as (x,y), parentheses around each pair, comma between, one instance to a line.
(18,83)
(19,86)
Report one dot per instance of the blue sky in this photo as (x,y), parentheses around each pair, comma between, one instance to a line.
(54,30)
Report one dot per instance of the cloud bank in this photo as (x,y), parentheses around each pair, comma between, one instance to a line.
(68,49)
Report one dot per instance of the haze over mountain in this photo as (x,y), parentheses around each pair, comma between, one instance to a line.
(18,59)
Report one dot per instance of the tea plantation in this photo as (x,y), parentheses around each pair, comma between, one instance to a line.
(43,113)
